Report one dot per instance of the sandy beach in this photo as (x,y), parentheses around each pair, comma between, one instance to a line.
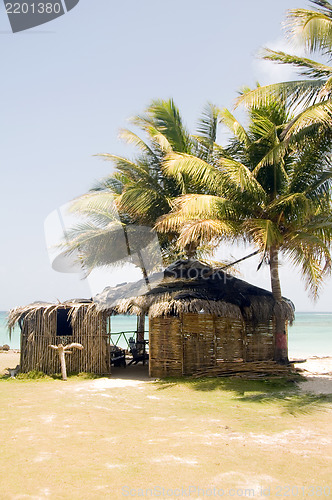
(129,434)
(318,374)
(316,370)
(9,359)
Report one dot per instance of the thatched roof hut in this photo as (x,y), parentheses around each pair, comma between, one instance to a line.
(74,321)
(199,317)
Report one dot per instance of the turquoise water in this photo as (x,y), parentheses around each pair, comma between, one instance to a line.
(310,335)
(118,324)
(14,343)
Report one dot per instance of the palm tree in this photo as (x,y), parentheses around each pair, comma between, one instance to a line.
(312,97)
(139,192)
(278,202)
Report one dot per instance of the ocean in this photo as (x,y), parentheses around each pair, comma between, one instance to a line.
(310,335)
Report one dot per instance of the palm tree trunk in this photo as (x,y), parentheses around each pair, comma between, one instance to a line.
(280,335)
(141,317)
(140,326)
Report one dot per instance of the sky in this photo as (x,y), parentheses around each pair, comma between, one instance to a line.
(67,87)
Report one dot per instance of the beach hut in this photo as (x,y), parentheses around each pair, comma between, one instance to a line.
(75,321)
(200,318)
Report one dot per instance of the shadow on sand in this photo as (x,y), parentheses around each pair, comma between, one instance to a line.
(282,391)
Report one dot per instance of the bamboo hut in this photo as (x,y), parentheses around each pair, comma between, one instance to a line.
(75,321)
(200,318)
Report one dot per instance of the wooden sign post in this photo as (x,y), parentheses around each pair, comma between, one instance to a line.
(62,350)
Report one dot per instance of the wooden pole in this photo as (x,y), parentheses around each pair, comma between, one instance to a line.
(62,350)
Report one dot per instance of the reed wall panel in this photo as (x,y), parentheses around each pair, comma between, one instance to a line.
(198,338)
(192,343)
(230,336)
(165,346)
(259,339)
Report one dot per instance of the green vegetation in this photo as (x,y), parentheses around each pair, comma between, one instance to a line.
(36,375)
(284,393)
(275,198)
(139,192)
(310,30)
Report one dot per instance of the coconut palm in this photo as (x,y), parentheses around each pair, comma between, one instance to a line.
(278,202)
(139,192)
(312,29)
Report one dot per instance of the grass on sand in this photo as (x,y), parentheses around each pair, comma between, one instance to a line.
(118,437)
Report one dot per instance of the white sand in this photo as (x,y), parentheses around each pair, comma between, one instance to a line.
(8,359)
(318,372)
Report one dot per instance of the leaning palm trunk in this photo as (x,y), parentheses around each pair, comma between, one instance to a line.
(280,336)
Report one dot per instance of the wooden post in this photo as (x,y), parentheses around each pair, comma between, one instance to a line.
(140,326)
(62,350)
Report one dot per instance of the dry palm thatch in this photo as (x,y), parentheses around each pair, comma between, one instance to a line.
(30,311)
(190,286)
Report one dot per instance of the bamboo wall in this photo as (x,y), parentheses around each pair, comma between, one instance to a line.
(165,346)
(39,331)
(192,342)
(259,341)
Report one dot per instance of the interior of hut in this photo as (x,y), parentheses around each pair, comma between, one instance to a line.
(129,347)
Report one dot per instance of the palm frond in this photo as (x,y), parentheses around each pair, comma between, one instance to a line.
(97,203)
(198,205)
(114,183)
(319,113)
(130,138)
(239,176)
(206,231)
(297,203)
(326,89)
(312,255)
(312,28)
(306,67)
(163,122)
(199,171)
(193,207)
(264,233)
(228,119)
(143,202)
(208,122)
(274,156)
(299,92)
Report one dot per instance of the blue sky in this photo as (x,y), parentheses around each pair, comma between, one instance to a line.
(68,86)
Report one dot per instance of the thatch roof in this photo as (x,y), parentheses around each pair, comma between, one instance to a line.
(185,286)
(18,313)
(192,286)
